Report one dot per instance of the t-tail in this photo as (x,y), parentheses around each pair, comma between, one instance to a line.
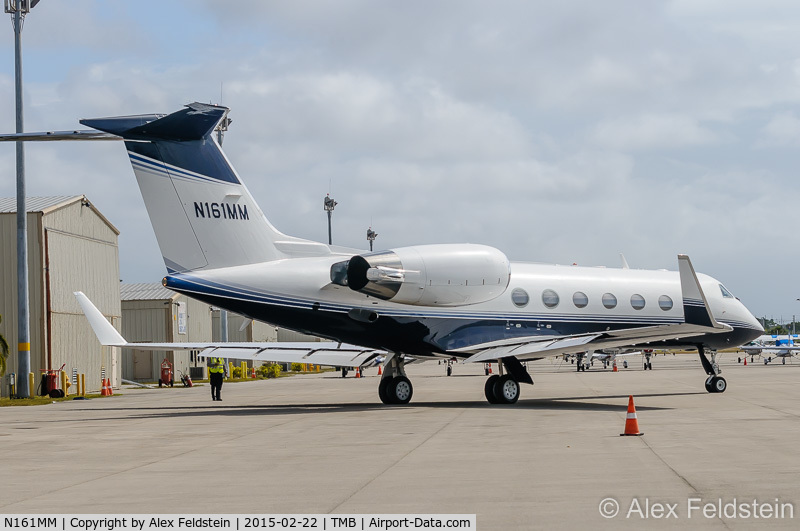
(203,215)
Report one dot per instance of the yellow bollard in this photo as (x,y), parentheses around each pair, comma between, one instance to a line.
(317,368)
(230,369)
(82,384)
(244,370)
(64,382)
(31,388)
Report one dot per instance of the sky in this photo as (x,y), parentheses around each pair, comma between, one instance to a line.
(557,132)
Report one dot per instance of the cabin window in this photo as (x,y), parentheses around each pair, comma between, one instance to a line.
(725,293)
(665,303)
(580,300)
(550,298)
(637,301)
(609,301)
(519,297)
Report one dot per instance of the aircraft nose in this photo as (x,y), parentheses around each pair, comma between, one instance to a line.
(753,323)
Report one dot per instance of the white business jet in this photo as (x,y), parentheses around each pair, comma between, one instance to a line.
(428,301)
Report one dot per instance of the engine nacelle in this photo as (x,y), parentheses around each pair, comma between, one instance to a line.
(428,275)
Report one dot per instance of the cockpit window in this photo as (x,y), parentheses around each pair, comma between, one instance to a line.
(725,293)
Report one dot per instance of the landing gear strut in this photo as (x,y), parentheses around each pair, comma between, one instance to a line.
(503,388)
(648,365)
(714,383)
(395,387)
(580,365)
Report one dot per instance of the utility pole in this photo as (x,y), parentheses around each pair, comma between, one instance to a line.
(18,9)
(371,235)
(329,206)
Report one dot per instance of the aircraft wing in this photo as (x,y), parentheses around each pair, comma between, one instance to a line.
(698,321)
(319,353)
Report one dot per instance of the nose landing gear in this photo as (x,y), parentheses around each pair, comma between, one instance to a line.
(714,383)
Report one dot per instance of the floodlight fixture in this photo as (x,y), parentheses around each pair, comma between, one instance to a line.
(329,204)
(371,235)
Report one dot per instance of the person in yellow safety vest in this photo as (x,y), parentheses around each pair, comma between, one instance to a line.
(216,370)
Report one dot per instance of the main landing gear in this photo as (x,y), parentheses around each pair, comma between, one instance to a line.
(395,387)
(581,366)
(503,388)
(714,383)
(648,365)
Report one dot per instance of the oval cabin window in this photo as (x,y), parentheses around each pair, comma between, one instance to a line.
(580,300)
(550,298)
(637,301)
(609,301)
(519,297)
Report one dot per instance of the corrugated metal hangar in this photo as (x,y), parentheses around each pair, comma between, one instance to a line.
(71,247)
(153,314)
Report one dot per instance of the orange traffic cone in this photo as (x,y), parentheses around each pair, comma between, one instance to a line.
(380,370)
(358,372)
(745,361)
(253,373)
(615,367)
(104,389)
(631,422)
(110,389)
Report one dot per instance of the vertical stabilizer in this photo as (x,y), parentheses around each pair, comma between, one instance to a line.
(203,215)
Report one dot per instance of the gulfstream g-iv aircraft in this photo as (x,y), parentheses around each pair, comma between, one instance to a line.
(425,301)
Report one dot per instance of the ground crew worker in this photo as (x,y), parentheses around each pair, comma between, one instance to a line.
(216,369)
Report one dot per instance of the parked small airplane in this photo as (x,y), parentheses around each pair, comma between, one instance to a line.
(606,357)
(772,347)
(427,301)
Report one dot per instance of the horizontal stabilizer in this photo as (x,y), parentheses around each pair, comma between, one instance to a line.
(194,122)
(85,134)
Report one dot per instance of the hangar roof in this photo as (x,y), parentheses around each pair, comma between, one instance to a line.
(45,205)
(8,205)
(146,291)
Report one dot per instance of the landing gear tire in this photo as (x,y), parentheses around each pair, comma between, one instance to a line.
(399,390)
(506,390)
(383,387)
(488,389)
(716,384)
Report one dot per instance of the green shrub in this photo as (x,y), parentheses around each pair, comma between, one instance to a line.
(269,370)
(297,367)
(237,372)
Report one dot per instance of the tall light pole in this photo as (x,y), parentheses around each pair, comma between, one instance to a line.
(371,235)
(329,206)
(18,9)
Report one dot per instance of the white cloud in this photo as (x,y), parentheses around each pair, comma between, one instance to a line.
(782,130)
(556,132)
(652,131)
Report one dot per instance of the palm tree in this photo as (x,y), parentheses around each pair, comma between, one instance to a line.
(3,351)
